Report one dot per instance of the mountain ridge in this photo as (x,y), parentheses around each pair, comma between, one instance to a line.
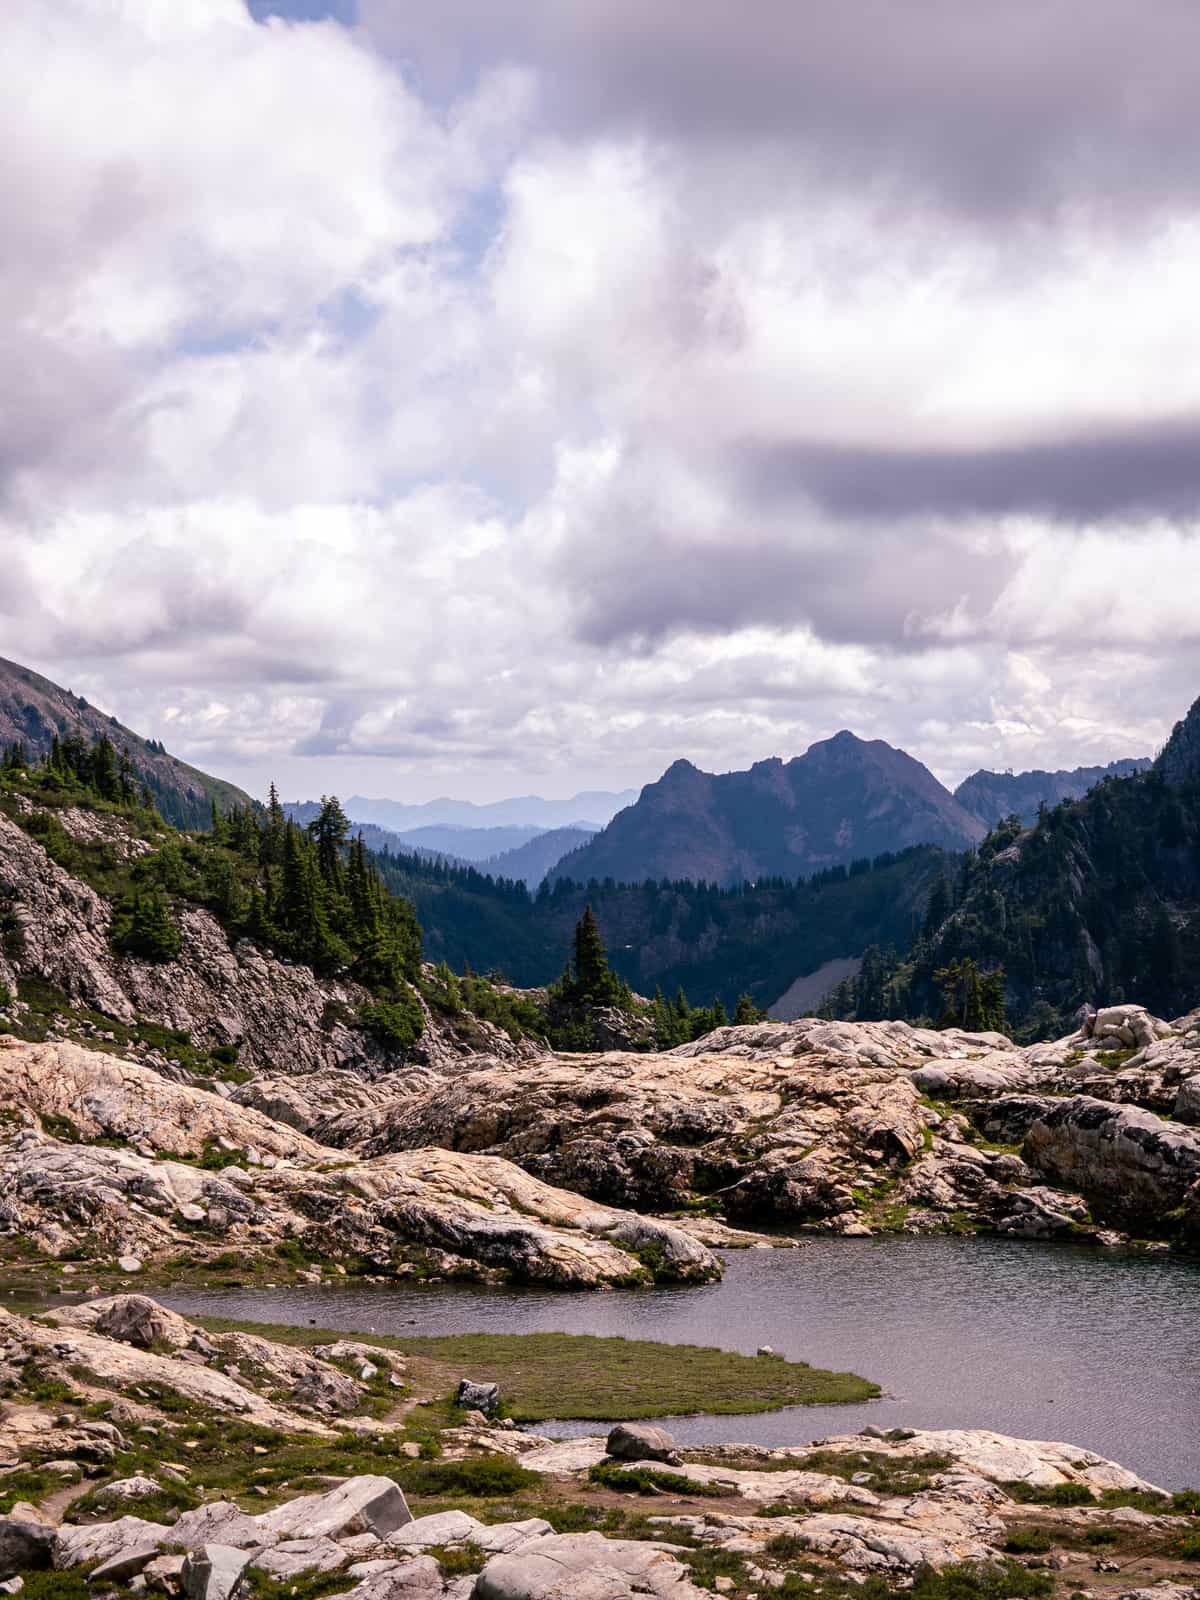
(34,711)
(991,796)
(844,799)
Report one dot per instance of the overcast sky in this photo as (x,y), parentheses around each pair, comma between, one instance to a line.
(503,395)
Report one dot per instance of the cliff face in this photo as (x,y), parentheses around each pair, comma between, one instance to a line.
(275,1016)
(34,711)
(844,799)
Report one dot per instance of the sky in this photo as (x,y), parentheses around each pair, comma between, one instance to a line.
(516,395)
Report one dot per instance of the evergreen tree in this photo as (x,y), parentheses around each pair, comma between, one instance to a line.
(272,841)
(144,927)
(330,829)
(594,980)
(745,1011)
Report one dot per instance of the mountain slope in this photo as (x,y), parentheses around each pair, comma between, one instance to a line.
(34,711)
(990,796)
(530,862)
(844,799)
(1099,902)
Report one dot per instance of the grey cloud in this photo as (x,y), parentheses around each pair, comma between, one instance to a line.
(994,108)
(1124,473)
(879,586)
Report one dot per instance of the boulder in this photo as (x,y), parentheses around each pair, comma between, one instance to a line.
(584,1566)
(24,1545)
(214,1572)
(367,1504)
(135,1488)
(639,1441)
(136,1319)
(125,1564)
(472,1396)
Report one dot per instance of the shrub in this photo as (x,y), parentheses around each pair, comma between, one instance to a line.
(649,1480)
(143,926)
(488,1475)
(1024,1541)
(396,1024)
(1058,1494)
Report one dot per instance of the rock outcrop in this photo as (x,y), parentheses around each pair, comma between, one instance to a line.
(275,1187)
(836,1125)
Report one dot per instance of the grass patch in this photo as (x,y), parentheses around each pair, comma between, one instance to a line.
(259,1585)
(27,1483)
(1028,1540)
(458,1561)
(889,1474)
(642,1479)
(583,1377)
(1057,1494)
(477,1476)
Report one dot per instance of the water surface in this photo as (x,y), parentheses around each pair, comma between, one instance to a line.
(1097,1347)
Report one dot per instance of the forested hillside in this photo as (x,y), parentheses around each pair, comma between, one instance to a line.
(1097,903)
(712,942)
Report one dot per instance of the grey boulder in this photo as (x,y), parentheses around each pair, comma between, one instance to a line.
(473,1396)
(584,1566)
(638,1441)
(213,1572)
(24,1545)
(368,1504)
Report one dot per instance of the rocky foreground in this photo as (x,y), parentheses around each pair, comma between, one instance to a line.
(145,1454)
(544,1170)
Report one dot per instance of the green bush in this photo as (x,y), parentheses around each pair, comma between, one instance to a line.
(143,926)
(649,1480)
(396,1024)
(1025,1541)
(1058,1494)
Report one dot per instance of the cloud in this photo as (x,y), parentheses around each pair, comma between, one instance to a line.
(540,392)
(1027,109)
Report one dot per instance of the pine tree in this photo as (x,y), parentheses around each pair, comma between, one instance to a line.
(594,980)
(329,830)
(271,843)
(745,1011)
(103,766)
(144,927)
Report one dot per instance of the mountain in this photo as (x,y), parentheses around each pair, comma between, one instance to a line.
(374,837)
(525,853)
(991,796)
(531,862)
(844,799)
(33,711)
(465,844)
(594,806)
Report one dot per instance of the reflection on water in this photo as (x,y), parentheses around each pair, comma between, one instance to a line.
(1096,1347)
